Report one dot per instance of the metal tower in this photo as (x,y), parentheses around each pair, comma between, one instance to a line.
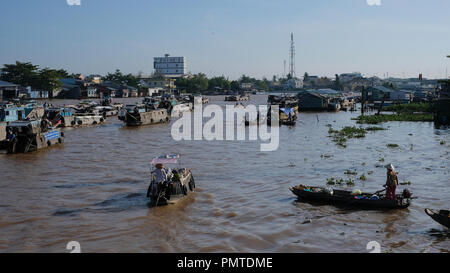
(292,57)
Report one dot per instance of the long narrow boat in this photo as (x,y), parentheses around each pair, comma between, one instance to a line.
(441,216)
(348,199)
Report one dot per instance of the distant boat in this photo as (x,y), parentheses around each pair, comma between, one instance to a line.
(141,114)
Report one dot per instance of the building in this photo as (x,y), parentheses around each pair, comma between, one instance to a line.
(95,79)
(8,90)
(293,83)
(157,85)
(246,86)
(107,89)
(29,93)
(347,77)
(404,96)
(172,67)
(310,81)
(70,89)
(312,101)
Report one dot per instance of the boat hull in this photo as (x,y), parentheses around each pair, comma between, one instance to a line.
(346,199)
(147,118)
(442,216)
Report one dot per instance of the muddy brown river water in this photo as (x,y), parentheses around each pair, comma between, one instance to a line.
(92,190)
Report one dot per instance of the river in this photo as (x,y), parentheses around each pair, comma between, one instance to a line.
(92,190)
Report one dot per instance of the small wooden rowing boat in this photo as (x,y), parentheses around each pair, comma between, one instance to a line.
(441,216)
(348,199)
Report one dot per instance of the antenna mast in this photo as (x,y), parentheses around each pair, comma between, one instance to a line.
(292,57)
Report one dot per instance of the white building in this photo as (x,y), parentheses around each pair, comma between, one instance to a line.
(173,67)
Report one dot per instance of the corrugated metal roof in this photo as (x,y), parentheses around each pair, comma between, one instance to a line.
(8,84)
(382,89)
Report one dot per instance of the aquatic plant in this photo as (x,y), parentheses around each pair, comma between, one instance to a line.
(375,119)
(348,132)
(363,177)
(330,181)
(349,172)
(442,142)
(350,182)
(409,108)
(392,145)
(373,128)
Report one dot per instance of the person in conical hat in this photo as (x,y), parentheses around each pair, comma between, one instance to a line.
(391,182)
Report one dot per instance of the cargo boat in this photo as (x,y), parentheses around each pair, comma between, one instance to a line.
(29,136)
(142,114)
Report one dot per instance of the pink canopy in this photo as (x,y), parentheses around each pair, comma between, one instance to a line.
(166,159)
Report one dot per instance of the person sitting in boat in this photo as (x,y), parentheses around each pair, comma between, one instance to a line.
(160,174)
(391,183)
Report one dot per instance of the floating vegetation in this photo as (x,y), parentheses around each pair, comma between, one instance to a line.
(375,119)
(392,145)
(409,108)
(341,137)
(373,128)
(406,183)
(350,182)
(340,181)
(363,177)
(381,159)
(326,156)
(349,172)
(442,142)
(369,172)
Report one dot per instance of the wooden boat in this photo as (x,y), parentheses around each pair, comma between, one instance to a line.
(348,199)
(141,114)
(175,188)
(30,136)
(441,216)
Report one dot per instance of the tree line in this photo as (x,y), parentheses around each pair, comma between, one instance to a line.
(26,74)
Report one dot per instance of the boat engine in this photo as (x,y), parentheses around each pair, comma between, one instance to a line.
(406,194)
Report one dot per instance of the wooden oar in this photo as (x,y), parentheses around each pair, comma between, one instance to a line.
(380,191)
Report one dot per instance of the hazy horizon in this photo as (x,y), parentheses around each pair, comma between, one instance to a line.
(403,37)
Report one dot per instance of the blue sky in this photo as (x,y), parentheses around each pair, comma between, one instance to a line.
(230,37)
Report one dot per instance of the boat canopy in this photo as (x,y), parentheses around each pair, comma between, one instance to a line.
(166,159)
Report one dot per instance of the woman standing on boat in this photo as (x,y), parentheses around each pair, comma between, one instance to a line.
(391,183)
